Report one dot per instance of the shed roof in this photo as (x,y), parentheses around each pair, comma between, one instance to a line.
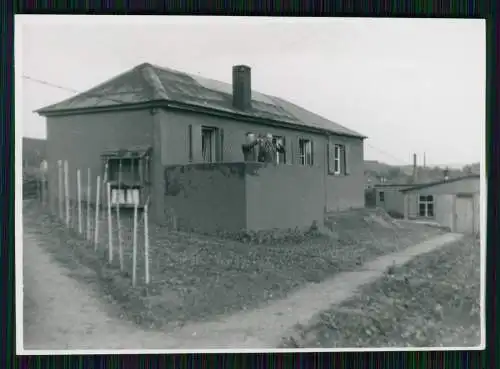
(127,152)
(451,180)
(147,83)
(393,185)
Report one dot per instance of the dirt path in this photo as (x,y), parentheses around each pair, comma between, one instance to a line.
(270,324)
(61,313)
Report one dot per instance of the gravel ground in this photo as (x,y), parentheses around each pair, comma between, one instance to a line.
(431,301)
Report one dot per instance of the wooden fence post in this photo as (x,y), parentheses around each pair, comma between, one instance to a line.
(134,248)
(60,196)
(79,199)
(146,243)
(66,191)
(118,220)
(89,191)
(97,212)
(110,225)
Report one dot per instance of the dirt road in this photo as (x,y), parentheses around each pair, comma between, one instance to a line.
(61,313)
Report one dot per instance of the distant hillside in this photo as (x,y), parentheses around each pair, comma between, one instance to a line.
(376,166)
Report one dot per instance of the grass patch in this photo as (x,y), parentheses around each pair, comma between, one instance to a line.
(431,301)
(196,277)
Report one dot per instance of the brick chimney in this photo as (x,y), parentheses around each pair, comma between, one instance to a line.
(415,169)
(242,87)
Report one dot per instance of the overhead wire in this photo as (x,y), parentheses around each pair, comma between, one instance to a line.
(69,89)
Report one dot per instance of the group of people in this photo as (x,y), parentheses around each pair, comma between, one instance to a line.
(263,146)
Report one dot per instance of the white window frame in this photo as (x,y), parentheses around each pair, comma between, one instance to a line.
(337,163)
(213,151)
(426,202)
(305,146)
(275,140)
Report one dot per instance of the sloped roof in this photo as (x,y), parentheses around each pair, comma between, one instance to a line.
(149,83)
(451,180)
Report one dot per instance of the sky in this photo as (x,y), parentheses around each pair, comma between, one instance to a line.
(410,85)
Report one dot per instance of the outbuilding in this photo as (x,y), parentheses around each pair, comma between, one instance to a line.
(452,203)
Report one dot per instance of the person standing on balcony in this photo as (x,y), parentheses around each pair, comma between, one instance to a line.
(249,147)
(266,148)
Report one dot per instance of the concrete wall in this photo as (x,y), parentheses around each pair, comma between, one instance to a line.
(235,196)
(284,196)
(206,197)
(80,139)
(339,192)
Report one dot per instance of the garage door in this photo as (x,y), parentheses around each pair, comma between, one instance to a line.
(464,214)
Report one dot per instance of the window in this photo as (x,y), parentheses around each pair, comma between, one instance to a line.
(305,152)
(337,159)
(426,206)
(337,155)
(280,156)
(131,171)
(381,196)
(208,144)
(125,170)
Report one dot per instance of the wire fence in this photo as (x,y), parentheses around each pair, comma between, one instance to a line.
(86,207)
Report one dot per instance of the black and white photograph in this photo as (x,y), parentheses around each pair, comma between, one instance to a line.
(249,184)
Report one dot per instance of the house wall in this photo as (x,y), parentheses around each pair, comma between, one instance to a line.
(339,192)
(393,200)
(80,139)
(206,197)
(345,191)
(283,196)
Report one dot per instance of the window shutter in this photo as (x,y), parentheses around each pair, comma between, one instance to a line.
(329,156)
(312,152)
(196,142)
(290,152)
(346,160)
(190,143)
(286,149)
(220,146)
(297,152)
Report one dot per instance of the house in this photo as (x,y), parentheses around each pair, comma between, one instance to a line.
(176,139)
(453,203)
